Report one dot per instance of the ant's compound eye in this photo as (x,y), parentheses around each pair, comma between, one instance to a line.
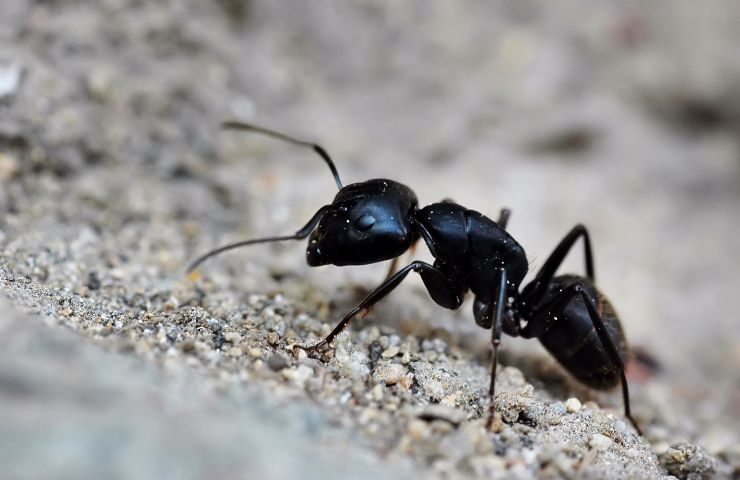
(365,222)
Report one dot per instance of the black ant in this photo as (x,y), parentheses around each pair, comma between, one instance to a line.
(380,219)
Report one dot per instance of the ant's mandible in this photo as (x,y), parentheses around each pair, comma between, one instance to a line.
(380,219)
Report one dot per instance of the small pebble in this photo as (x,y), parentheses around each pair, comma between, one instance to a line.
(255,352)
(441,427)
(259,365)
(187,345)
(99,83)
(487,466)
(375,350)
(367,415)
(529,455)
(440,412)
(9,167)
(600,442)
(232,337)
(234,352)
(299,375)
(450,400)
(407,381)
(686,460)
(391,352)
(433,388)
(418,429)
(10,79)
(170,305)
(277,362)
(93,282)
(377,393)
(273,338)
(389,373)
(572,405)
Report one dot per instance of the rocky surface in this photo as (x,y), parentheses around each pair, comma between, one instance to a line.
(113,175)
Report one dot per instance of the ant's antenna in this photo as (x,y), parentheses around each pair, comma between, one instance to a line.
(300,234)
(196,263)
(281,136)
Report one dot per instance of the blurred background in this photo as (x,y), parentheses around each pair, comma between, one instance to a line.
(621,115)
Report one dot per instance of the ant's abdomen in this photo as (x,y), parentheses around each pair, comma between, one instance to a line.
(573,340)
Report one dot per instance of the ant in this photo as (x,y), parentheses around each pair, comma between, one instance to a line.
(380,219)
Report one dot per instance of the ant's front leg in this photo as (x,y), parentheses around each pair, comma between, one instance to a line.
(440,287)
(393,268)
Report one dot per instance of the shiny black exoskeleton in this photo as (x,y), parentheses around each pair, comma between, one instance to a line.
(380,219)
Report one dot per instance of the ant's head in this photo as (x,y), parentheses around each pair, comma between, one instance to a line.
(366,223)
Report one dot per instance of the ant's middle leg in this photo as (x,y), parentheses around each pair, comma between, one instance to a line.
(440,287)
(495,342)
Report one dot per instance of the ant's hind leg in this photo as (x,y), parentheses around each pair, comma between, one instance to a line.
(440,287)
(548,314)
(553,262)
(558,255)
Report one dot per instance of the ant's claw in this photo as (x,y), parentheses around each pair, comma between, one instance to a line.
(320,351)
(312,348)
(494,423)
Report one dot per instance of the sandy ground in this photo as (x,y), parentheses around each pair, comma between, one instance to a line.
(114,174)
